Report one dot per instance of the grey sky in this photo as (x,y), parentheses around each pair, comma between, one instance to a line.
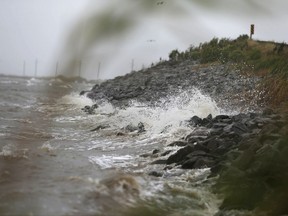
(38,29)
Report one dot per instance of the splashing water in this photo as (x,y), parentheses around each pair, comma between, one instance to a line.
(168,116)
(56,154)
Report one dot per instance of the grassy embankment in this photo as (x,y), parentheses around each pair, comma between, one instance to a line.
(254,58)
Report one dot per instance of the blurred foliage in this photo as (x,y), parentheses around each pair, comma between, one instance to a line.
(116,21)
(257,179)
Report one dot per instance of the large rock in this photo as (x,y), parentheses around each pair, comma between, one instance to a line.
(211,143)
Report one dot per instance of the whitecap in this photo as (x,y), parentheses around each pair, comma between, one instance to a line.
(107,161)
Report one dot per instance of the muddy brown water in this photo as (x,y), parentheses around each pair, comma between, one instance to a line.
(52,164)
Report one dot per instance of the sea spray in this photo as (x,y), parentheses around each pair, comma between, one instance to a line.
(75,100)
(167,116)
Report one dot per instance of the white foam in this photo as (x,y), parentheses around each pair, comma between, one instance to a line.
(11,150)
(47,147)
(108,161)
(71,119)
(8,150)
(8,82)
(76,100)
(34,81)
(106,109)
(168,116)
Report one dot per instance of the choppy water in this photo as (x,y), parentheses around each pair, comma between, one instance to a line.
(51,163)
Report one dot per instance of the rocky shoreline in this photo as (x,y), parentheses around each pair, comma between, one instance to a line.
(248,149)
(212,139)
(222,82)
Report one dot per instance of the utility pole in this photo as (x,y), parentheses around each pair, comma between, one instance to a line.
(36,67)
(80,65)
(132,65)
(24,68)
(56,71)
(98,73)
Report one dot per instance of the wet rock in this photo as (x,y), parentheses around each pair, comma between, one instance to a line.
(197,153)
(200,131)
(140,128)
(155,173)
(195,121)
(213,144)
(198,162)
(201,147)
(168,167)
(83,92)
(160,161)
(180,154)
(145,155)
(216,131)
(219,125)
(221,118)
(166,153)
(237,128)
(155,151)
(195,139)
(207,122)
(222,134)
(100,127)
(130,128)
(90,109)
(120,133)
(178,143)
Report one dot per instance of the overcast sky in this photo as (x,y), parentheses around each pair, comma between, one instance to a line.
(37,31)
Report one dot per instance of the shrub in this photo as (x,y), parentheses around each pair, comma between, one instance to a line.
(243,37)
(195,55)
(236,56)
(209,54)
(224,42)
(255,54)
(213,42)
(174,55)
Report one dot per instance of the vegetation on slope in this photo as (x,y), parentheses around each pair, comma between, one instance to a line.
(259,58)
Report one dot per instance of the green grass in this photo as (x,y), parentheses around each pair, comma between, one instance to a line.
(258,58)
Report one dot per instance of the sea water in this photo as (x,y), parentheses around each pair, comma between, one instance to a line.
(53,163)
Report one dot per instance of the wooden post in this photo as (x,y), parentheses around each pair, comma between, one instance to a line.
(251,30)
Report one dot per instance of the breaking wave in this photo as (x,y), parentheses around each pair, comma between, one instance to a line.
(168,116)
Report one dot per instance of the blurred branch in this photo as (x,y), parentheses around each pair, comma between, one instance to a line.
(118,20)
